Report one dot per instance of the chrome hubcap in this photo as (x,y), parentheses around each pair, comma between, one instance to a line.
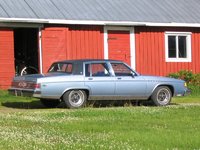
(163,96)
(76,98)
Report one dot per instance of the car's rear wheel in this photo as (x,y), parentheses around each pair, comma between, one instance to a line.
(50,103)
(161,96)
(75,98)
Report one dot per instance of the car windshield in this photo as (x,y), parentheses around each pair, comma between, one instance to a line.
(61,67)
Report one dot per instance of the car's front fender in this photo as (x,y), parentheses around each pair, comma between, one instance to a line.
(151,87)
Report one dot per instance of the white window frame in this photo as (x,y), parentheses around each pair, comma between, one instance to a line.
(188,49)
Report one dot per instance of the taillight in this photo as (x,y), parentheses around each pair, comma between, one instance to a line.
(37,86)
(13,84)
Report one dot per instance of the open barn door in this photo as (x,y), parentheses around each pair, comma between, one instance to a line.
(26,50)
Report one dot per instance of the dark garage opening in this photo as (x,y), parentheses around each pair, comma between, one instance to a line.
(26,50)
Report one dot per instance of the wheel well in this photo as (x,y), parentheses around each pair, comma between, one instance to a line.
(169,86)
(86,91)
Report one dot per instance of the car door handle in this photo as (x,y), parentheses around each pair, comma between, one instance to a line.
(90,78)
(119,78)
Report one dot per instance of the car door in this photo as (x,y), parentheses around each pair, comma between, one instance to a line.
(99,80)
(128,83)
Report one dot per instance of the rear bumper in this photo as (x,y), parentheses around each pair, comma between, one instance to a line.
(26,93)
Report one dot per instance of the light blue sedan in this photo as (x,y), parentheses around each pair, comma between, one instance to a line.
(77,81)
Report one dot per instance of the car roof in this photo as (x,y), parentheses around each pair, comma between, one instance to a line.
(87,60)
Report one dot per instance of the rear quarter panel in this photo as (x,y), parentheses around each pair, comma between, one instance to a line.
(55,87)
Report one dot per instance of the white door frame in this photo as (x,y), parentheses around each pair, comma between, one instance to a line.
(132,42)
(40,51)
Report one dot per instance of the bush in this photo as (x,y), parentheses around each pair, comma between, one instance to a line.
(196,80)
(193,80)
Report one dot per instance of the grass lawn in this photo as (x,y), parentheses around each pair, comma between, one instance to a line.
(26,124)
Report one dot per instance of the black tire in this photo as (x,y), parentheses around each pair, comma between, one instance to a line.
(50,103)
(161,96)
(75,98)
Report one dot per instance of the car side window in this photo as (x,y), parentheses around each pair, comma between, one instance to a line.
(121,70)
(68,68)
(96,70)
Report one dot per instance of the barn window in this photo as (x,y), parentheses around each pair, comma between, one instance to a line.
(178,46)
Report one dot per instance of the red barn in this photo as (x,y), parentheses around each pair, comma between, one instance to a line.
(154,37)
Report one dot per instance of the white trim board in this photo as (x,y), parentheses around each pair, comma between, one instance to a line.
(132,42)
(40,50)
(96,22)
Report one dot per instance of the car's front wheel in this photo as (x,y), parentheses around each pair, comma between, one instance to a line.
(161,96)
(75,98)
(50,103)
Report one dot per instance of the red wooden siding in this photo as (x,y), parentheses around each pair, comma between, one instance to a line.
(150,51)
(195,66)
(7,70)
(85,42)
(53,45)
(74,42)
(119,45)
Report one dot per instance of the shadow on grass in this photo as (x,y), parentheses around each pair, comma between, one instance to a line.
(95,104)
(23,105)
(120,103)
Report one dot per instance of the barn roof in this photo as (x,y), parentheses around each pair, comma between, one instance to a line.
(135,12)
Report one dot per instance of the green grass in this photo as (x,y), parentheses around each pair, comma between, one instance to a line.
(26,124)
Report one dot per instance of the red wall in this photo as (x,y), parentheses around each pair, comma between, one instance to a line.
(77,42)
(85,42)
(150,51)
(73,42)
(119,45)
(53,45)
(7,70)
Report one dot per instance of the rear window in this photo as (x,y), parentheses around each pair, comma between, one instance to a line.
(61,67)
